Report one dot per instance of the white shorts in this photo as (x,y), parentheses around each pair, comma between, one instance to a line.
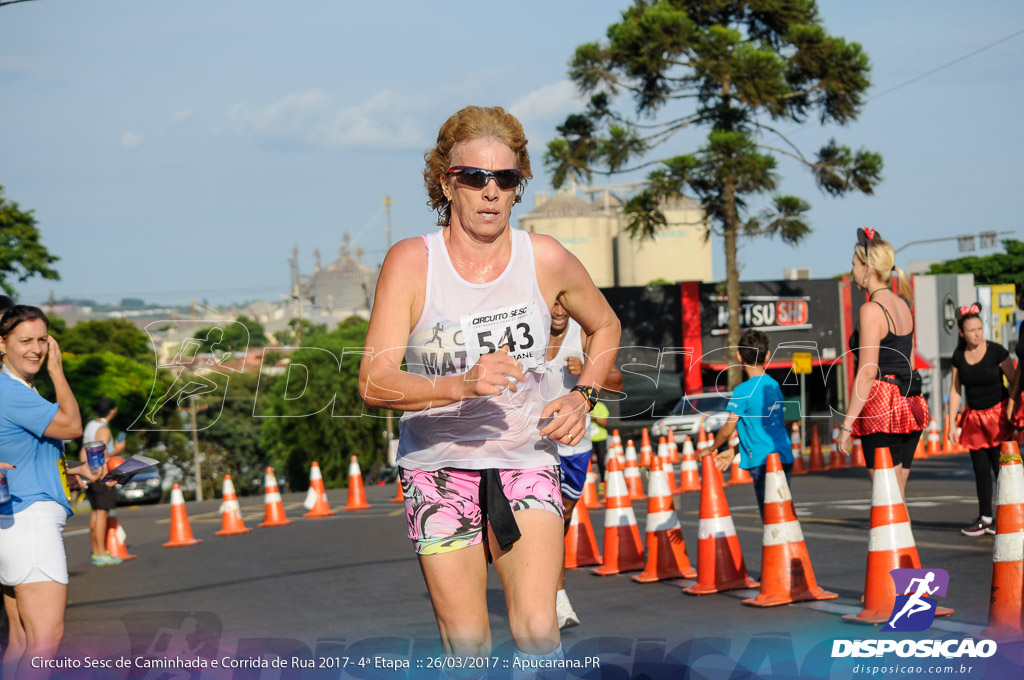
(32,545)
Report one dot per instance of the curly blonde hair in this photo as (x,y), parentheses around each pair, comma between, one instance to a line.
(472,122)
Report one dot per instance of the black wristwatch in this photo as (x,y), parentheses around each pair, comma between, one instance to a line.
(589,392)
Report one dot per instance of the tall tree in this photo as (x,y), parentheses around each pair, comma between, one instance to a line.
(22,256)
(745,67)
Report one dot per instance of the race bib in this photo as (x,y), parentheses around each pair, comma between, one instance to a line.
(520,327)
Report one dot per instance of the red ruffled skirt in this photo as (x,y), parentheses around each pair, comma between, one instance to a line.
(886,410)
(986,428)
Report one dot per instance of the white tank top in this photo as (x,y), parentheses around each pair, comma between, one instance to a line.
(560,381)
(90,430)
(461,321)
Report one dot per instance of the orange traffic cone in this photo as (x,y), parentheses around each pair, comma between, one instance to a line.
(1005,608)
(399,496)
(230,513)
(890,544)
(720,563)
(919,452)
(857,457)
(836,460)
(116,537)
(934,447)
(181,530)
(689,477)
(274,515)
(623,550)
(673,450)
(580,542)
(634,482)
(947,443)
(666,467)
(589,498)
(356,493)
(817,458)
(737,475)
(786,572)
(798,451)
(666,550)
(316,497)
(645,449)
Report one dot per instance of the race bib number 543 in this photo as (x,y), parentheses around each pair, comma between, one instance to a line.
(519,327)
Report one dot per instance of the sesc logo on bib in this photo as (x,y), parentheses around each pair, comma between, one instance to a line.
(915,609)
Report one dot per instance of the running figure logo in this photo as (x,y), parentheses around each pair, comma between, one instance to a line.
(915,609)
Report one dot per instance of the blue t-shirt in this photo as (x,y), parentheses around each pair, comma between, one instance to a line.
(761,428)
(24,416)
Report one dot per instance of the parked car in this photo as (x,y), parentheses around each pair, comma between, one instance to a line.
(686,417)
(145,487)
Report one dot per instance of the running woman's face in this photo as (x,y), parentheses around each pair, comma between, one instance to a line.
(25,348)
(486,211)
(973,332)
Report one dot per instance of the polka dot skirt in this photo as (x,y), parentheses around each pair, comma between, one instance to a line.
(886,410)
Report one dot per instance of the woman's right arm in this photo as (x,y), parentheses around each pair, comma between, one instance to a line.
(872,326)
(1011,404)
(954,407)
(382,382)
(67,423)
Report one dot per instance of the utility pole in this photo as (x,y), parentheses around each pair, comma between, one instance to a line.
(195,448)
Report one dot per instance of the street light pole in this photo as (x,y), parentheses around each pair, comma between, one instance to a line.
(991,234)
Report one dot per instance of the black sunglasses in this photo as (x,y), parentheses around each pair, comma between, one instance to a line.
(477,178)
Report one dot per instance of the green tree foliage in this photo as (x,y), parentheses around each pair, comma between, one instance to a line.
(22,255)
(322,421)
(117,336)
(298,330)
(1005,267)
(738,68)
(229,438)
(232,336)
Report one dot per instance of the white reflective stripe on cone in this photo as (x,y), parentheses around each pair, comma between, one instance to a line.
(662,521)
(176,497)
(891,537)
(272,497)
(885,490)
(775,488)
(1008,547)
(228,506)
(310,500)
(716,527)
(657,485)
(619,517)
(631,472)
(229,488)
(1010,486)
(314,473)
(780,534)
(616,486)
(689,465)
(269,480)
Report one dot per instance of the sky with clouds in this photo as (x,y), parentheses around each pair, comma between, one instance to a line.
(177,151)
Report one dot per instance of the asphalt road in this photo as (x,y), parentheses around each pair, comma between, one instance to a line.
(319,588)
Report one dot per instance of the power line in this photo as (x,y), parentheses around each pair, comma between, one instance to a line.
(946,65)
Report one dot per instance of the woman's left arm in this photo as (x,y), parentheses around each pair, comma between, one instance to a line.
(564,278)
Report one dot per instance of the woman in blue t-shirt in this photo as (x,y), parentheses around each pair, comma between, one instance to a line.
(33,566)
(979,366)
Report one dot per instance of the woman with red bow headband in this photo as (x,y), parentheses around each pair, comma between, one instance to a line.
(886,408)
(979,367)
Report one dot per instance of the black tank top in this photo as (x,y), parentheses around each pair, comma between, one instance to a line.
(895,352)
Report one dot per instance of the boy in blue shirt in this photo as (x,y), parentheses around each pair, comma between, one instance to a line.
(757,416)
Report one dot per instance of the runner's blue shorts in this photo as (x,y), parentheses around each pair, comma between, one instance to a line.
(574,474)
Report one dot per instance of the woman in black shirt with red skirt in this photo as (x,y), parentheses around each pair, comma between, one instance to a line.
(979,366)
